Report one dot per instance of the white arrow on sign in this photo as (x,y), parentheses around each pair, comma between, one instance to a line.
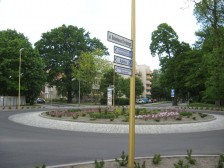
(122,51)
(123,61)
(122,70)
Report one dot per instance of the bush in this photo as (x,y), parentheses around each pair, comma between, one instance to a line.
(187,114)
(124,159)
(137,165)
(156,159)
(102,115)
(122,101)
(221,162)
(99,164)
(180,164)
(189,157)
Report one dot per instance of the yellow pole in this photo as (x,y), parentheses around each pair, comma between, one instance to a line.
(131,152)
(19,100)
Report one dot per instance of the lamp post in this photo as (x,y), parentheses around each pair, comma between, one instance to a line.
(19,100)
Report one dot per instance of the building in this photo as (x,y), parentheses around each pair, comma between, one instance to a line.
(145,74)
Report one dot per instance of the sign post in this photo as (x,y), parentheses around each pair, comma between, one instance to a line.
(131,144)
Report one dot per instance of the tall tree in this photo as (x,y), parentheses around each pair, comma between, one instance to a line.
(211,16)
(164,41)
(32,74)
(60,49)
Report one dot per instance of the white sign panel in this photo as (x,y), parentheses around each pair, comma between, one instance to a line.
(109,96)
(117,39)
(122,61)
(122,51)
(122,70)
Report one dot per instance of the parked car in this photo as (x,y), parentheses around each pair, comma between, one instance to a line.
(146,100)
(40,100)
(153,100)
(139,101)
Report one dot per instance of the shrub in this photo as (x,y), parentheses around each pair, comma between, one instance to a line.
(157,119)
(187,114)
(189,157)
(221,162)
(99,164)
(126,119)
(43,166)
(124,159)
(137,165)
(156,159)
(179,118)
(180,164)
(137,111)
(74,110)
(202,115)
(102,115)
(75,116)
(194,118)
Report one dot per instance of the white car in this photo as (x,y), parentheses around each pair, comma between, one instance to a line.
(140,101)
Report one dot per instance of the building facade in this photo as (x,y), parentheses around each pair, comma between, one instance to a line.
(145,74)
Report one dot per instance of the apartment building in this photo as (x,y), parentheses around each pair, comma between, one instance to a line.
(145,74)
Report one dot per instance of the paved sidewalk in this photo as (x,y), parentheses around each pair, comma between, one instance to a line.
(34,119)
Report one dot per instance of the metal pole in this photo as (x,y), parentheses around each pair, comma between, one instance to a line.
(114,88)
(19,100)
(79,92)
(131,152)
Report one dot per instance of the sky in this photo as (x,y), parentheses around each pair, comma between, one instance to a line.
(34,17)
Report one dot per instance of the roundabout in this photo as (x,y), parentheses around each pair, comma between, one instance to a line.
(36,120)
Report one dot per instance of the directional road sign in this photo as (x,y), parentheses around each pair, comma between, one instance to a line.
(117,39)
(122,51)
(122,70)
(122,61)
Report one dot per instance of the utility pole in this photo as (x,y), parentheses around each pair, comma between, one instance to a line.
(131,145)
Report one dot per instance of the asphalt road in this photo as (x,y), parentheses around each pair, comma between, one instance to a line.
(25,147)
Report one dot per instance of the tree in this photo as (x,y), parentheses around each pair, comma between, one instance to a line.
(139,87)
(60,49)
(164,41)
(174,70)
(211,16)
(110,78)
(32,74)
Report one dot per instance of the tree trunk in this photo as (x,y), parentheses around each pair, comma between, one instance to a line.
(69,96)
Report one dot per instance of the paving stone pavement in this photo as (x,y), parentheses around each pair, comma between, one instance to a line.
(34,119)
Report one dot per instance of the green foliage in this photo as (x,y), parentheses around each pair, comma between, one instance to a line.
(123,161)
(102,115)
(61,49)
(137,165)
(32,73)
(189,157)
(202,115)
(180,164)
(43,166)
(184,113)
(221,162)
(99,164)
(156,159)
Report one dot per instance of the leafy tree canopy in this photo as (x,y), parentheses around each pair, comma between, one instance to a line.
(32,74)
(60,49)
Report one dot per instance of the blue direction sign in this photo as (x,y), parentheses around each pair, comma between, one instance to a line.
(122,51)
(122,61)
(122,70)
(172,92)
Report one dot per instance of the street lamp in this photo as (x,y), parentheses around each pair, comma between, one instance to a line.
(19,100)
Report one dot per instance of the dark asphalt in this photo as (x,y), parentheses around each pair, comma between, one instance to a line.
(25,147)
